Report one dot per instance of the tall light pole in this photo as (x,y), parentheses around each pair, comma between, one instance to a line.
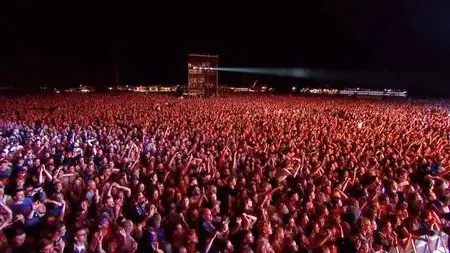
(116,66)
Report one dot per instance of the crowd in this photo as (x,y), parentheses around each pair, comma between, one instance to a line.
(147,173)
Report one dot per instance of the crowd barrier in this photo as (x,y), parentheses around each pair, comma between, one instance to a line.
(426,244)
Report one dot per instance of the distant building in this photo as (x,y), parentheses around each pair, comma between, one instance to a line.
(81,88)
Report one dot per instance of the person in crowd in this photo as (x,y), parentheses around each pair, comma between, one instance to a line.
(148,173)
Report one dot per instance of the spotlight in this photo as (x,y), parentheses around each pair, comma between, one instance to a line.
(293,88)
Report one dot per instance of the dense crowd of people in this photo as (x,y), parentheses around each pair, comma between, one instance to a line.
(147,173)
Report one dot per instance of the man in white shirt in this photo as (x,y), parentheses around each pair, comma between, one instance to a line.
(79,244)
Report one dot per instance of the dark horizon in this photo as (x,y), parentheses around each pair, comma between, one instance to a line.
(62,47)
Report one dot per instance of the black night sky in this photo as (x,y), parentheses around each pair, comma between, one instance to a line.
(64,45)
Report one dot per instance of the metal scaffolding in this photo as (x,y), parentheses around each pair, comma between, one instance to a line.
(203,76)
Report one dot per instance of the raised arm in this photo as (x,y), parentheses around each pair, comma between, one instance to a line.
(123,188)
(10,215)
(188,163)
(235,160)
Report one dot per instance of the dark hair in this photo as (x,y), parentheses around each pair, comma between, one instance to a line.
(78,230)
(37,196)
(241,236)
(18,190)
(151,223)
(58,226)
(19,232)
(120,220)
(44,243)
